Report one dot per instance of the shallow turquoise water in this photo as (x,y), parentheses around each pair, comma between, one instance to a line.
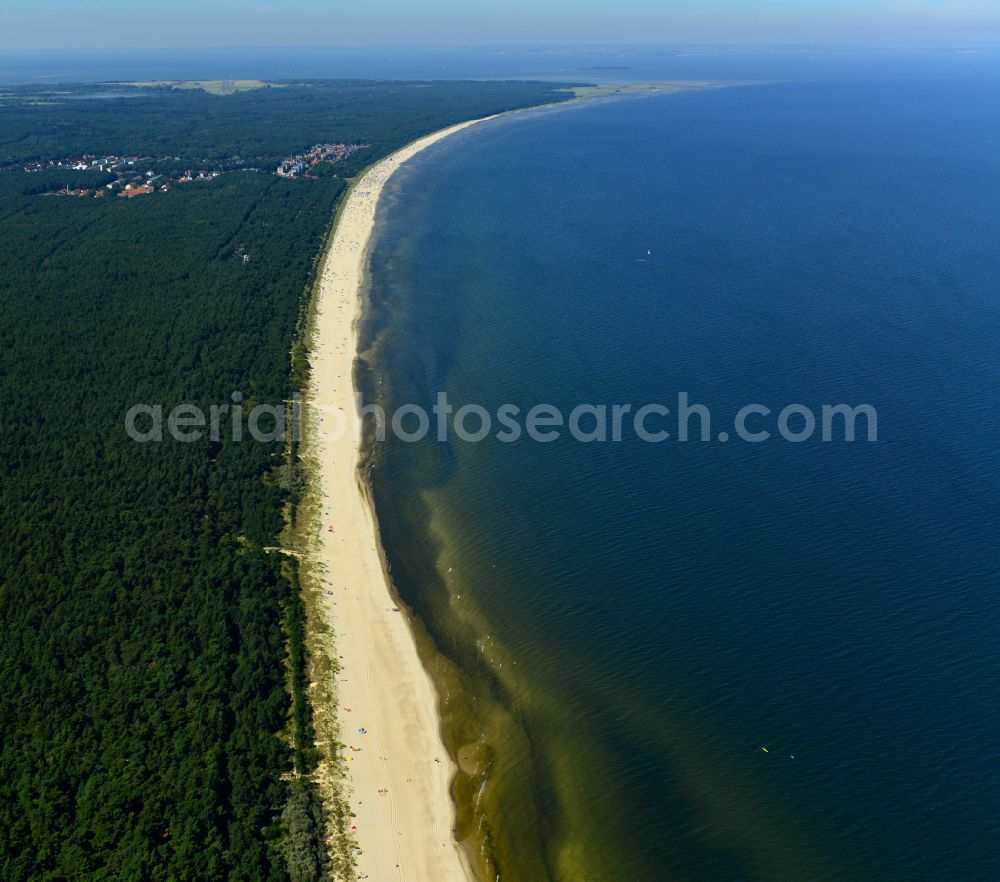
(650,616)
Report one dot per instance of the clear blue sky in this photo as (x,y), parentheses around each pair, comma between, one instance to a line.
(105,23)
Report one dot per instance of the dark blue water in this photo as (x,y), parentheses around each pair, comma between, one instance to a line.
(641,620)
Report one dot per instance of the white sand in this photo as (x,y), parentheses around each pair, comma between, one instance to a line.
(399,780)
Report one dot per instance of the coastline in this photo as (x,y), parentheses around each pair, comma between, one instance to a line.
(394,793)
(388,760)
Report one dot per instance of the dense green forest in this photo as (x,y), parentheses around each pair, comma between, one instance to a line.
(260,126)
(149,645)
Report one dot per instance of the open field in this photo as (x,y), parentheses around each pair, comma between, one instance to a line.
(213,87)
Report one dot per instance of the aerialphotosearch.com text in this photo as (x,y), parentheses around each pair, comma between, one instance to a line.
(586,423)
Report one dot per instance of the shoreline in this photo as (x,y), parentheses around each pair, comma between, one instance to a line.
(395,775)
(389,790)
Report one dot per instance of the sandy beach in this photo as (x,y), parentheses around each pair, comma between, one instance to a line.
(398,772)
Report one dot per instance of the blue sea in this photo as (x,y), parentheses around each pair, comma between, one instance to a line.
(704,660)
(618,64)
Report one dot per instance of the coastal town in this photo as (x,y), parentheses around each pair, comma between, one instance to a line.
(301,163)
(134,176)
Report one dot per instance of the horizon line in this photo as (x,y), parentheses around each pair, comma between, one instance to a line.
(901,44)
